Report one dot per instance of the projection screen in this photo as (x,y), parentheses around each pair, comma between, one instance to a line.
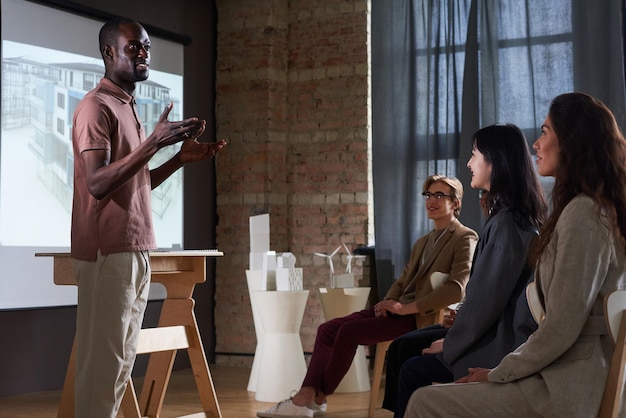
(50,59)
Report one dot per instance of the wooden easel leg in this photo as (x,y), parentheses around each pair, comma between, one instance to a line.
(206,390)
(66,404)
(155,383)
(129,406)
(180,312)
(201,372)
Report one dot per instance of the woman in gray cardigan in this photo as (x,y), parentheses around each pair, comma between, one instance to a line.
(561,369)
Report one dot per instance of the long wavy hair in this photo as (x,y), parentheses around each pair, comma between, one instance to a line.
(591,161)
(513,184)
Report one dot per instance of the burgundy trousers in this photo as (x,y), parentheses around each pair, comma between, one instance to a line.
(337,340)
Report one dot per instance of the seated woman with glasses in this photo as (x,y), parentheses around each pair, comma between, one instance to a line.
(411,302)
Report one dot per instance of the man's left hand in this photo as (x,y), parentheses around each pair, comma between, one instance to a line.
(192,150)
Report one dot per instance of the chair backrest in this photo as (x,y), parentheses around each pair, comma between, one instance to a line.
(534,302)
(615,315)
(615,303)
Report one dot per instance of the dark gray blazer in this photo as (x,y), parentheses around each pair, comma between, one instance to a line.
(494,318)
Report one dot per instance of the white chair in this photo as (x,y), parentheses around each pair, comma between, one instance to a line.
(615,315)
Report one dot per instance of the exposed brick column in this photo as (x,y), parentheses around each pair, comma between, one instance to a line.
(292,98)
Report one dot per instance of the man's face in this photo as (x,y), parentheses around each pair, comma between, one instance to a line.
(131,56)
(439,203)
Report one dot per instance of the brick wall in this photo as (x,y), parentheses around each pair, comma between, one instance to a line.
(292,100)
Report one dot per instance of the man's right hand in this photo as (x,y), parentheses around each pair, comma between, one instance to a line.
(167,133)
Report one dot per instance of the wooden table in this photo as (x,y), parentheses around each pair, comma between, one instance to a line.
(178,272)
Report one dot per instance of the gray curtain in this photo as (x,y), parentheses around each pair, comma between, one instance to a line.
(443,69)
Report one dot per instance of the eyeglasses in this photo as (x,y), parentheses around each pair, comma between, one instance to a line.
(436,195)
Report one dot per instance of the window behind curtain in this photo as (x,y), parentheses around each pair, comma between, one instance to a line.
(443,69)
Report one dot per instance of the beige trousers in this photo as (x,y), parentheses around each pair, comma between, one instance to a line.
(112,297)
(480,400)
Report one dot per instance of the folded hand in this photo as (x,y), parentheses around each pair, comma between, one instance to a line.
(435,347)
(475,374)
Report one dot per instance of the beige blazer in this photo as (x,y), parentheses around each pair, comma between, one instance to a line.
(452,255)
(562,367)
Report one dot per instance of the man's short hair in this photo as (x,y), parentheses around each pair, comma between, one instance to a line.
(452,182)
(110,31)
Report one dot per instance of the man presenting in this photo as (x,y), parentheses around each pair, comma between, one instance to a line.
(112,228)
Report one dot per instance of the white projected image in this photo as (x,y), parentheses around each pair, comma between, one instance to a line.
(40,90)
(50,60)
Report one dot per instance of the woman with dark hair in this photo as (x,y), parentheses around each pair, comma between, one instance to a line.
(494,317)
(581,257)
